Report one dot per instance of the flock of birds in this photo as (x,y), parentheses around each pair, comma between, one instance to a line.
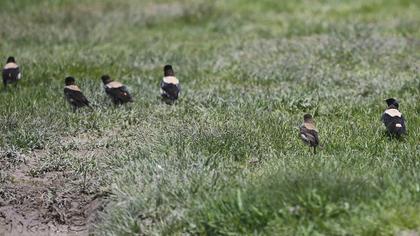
(118,92)
(392,118)
(170,89)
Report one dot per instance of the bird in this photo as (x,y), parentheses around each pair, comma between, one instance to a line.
(116,90)
(73,94)
(393,119)
(308,132)
(11,72)
(169,86)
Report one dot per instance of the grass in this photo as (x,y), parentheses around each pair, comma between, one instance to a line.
(249,71)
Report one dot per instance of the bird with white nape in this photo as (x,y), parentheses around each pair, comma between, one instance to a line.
(11,72)
(74,95)
(393,119)
(169,86)
(117,91)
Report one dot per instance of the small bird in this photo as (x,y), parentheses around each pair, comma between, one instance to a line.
(11,72)
(73,94)
(393,119)
(169,86)
(308,132)
(116,90)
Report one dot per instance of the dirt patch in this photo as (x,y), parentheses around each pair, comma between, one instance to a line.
(50,204)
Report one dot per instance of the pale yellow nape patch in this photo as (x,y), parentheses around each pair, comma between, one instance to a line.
(114,84)
(11,65)
(170,80)
(393,112)
(73,87)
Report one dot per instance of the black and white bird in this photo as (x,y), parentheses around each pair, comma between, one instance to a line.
(308,132)
(169,86)
(116,91)
(11,72)
(73,94)
(393,119)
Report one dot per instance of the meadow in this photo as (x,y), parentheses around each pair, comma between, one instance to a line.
(226,159)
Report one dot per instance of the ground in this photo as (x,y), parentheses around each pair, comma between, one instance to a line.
(226,158)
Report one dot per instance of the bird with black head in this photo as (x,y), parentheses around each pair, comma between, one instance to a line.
(169,86)
(117,91)
(74,95)
(11,72)
(393,119)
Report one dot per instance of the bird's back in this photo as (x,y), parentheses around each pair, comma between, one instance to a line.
(11,72)
(118,92)
(171,90)
(75,97)
(394,122)
(170,87)
(309,134)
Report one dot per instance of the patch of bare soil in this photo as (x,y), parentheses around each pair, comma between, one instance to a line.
(50,204)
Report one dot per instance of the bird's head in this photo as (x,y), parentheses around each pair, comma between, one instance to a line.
(106,79)
(392,103)
(168,71)
(307,118)
(69,81)
(11,60)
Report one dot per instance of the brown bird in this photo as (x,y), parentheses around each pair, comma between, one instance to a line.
(308,132)
(11,72)
(116,91)
(393,119)
(73,94)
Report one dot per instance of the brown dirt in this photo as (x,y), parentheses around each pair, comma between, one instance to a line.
(50,204)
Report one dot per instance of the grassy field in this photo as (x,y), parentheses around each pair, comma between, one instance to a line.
(226,159)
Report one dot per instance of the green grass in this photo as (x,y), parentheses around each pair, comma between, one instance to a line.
(249,71)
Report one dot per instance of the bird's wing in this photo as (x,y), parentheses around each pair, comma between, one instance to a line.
(76,97)
(120,93)
(387,119)
(309,135)
(394,123)
(171,89)
(315,134)
(124,89)
(11,73)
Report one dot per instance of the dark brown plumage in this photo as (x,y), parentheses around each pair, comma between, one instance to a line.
(308,132)
(393,119)
(116,91)
(73,94)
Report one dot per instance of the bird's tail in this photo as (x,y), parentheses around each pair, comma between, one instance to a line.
(399,129)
